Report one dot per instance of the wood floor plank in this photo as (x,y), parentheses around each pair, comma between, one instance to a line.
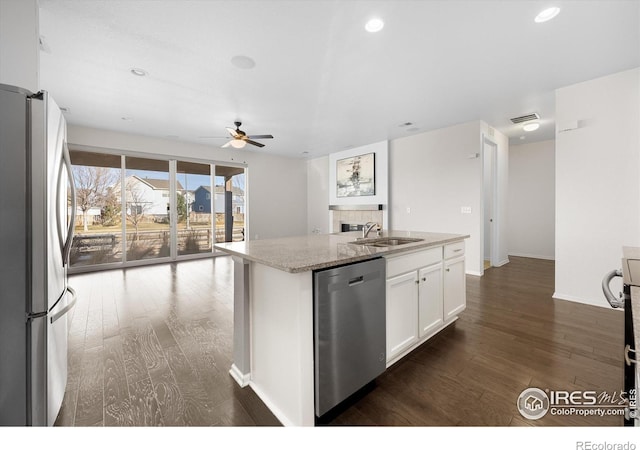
(89,407)
(170,400)
(117,407)
(145,410)
(197,410)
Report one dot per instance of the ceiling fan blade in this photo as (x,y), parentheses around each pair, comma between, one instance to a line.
(232,132)
(260,136)
(257,144)
(226,145)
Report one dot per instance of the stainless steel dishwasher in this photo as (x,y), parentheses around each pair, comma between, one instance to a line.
(349,330)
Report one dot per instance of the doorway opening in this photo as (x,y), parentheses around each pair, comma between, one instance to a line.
(490,203)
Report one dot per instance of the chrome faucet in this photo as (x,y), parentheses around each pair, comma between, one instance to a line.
(367,228)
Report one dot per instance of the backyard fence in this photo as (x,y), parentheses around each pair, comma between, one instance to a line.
(100,248)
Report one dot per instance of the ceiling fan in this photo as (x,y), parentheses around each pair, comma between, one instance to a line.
(240,138)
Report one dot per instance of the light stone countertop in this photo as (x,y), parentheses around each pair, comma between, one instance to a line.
(320,251)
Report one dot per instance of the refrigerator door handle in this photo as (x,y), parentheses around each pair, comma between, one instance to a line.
(71,304)
(613,301)
(67,245)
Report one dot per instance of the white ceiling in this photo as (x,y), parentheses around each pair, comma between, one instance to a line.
(321,83)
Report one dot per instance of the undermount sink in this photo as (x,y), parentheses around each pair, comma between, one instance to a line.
(387,241)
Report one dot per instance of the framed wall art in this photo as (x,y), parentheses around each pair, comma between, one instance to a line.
(355,176)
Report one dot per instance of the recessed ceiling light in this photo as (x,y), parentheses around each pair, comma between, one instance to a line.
(374,25)
(127,119)
(533,126)
(406,124)
(139,72)
(243,62)
(547,14)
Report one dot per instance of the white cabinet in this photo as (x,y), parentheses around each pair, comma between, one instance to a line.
(430,299)
(425,292)
(402,310)
(454,287)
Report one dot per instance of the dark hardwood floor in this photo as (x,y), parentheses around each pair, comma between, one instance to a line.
(152,346)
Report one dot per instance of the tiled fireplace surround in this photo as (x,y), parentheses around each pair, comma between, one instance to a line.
(355,217)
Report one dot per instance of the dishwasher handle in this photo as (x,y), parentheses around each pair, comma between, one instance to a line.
(606,289)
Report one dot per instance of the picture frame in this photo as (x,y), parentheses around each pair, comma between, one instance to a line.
(355,176)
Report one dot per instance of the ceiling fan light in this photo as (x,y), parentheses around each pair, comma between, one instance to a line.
(238,143)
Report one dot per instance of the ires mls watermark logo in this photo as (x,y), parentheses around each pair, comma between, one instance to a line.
(534,403)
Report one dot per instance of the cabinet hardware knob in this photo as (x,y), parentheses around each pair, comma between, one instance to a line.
(417,281)
(448,270)
(424,279)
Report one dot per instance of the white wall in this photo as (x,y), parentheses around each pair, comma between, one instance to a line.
(19,49)
(531,200)
(433,176)
(318,217)
(597,182)
(277,186)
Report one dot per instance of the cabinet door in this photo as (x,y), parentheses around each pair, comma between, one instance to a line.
(455,297)
(402,311)
(430,299)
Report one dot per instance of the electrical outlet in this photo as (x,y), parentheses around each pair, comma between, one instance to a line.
(408,210)
(465,209)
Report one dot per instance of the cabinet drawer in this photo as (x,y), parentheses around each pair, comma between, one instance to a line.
(453,250)
(397,265)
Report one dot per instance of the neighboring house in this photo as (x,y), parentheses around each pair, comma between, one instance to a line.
(147,196)
(94,216)
(202,201)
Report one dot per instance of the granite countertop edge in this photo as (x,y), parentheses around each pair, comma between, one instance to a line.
(374,252)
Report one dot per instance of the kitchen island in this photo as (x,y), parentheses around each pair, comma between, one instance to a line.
(273,305)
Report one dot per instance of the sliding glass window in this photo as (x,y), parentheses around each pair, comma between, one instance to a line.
(134,209)
(193,204)
(147,208)
(230,203)
(98,229)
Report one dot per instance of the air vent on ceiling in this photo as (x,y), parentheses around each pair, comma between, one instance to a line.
(532,116)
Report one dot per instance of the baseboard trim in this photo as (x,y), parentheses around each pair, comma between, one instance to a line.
(241,378)
(529,255)
(571,298)
(284,420)
(474,273)
(502,263)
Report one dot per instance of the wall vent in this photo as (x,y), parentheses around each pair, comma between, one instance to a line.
(532,116)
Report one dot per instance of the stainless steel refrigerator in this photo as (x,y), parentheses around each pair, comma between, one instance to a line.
(37,212)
